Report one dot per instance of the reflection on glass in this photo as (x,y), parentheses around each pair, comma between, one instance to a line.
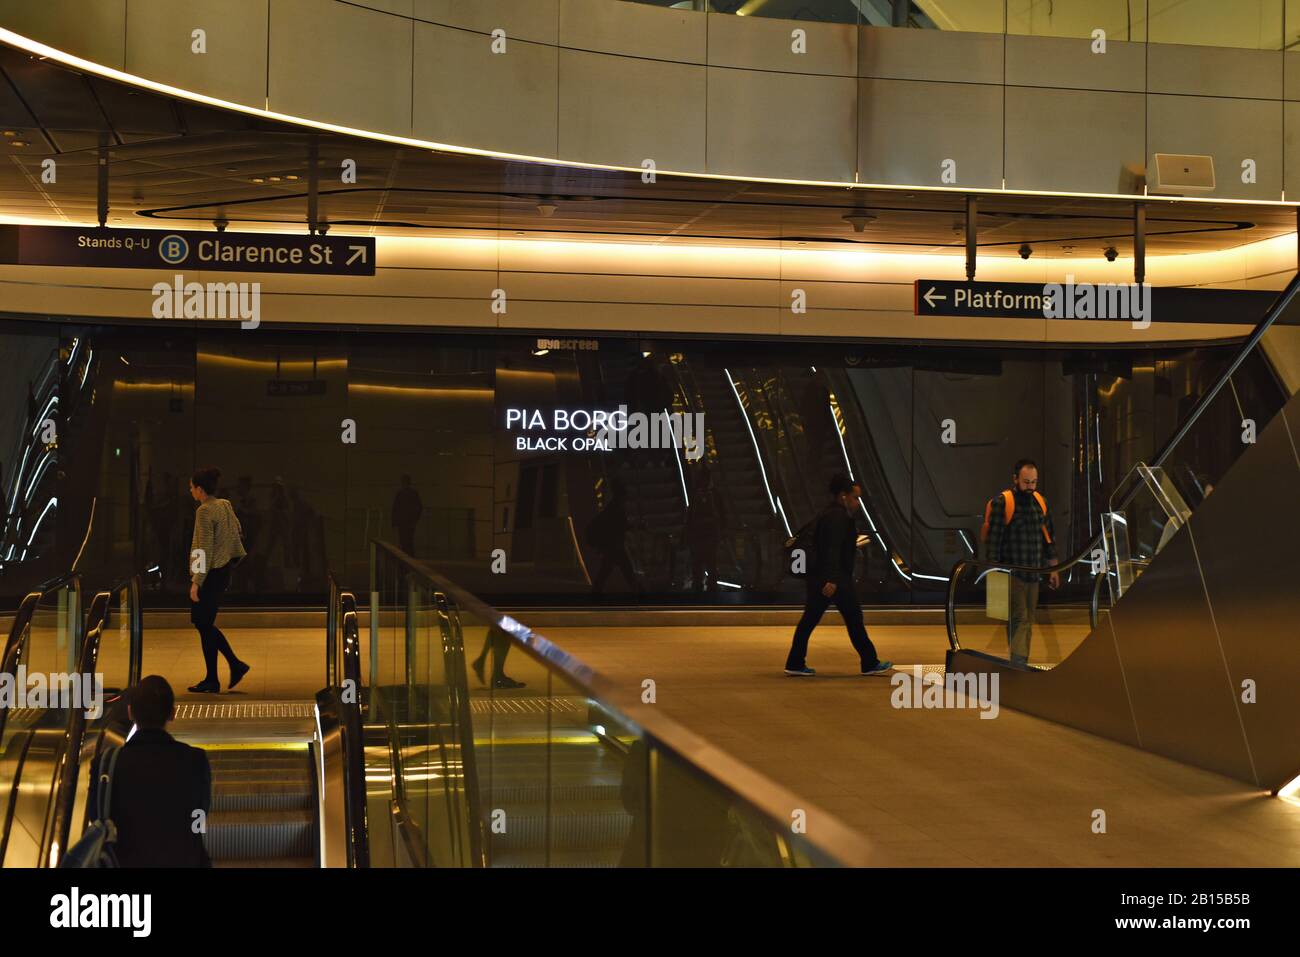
(1120,19)
(515,515)
(529,767)
(1245,24)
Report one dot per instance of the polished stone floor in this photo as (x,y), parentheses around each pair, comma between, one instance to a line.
(925,786)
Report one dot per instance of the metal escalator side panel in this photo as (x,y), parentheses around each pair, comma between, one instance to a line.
(1199,660)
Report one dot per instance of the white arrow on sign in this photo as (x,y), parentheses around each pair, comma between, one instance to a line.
(357,251)
(930,297)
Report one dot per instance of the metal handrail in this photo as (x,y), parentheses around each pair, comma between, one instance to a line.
(476,825)
(343,692)
(20,631)
(67,766)
(55,841)
(1279,306)
(331,630)
(354,755)
(1094,603)
(833,839)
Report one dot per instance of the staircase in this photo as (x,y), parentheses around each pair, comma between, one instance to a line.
(263,808)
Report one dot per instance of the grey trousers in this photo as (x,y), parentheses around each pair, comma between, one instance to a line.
(1022,605)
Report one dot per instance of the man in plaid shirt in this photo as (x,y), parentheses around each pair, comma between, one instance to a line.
(1029,539)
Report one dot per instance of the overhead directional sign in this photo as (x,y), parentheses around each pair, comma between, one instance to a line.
(1124,302)
(187,249)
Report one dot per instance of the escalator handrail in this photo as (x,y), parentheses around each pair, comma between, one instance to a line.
(64,799)
(332,630)
(747,787)
(67,766)
(350,659)
(20,631)
(1278,307)
(1094,605)
(478,842)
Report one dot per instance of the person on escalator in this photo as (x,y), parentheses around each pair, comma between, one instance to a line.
(830,581)
(214,551)
(160,786)
(1018,531)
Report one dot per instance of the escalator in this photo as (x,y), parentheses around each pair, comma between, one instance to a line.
(1190,651)
(402,759)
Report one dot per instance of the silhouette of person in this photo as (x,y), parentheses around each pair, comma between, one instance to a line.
(607,533)
(280,519)
(704,521)
(407,508)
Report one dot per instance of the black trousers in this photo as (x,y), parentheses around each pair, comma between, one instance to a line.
(203,613)
(609,560)
(815,605)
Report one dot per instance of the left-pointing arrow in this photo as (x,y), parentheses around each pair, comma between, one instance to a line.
(930,296)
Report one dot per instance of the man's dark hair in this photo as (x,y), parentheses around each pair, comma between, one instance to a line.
(841,484)
(207,478)
(1021,463)
(152,702)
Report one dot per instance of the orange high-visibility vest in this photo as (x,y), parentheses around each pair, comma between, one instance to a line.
(1009,509)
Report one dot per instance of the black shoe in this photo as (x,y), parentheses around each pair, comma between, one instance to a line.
(206,687)
(477,665)
(237,672)
(506,682)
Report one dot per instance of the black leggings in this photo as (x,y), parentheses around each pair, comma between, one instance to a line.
(203,613)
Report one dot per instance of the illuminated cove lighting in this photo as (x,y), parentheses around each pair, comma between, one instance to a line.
(44,51)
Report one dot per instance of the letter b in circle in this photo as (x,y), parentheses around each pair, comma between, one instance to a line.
(174,250)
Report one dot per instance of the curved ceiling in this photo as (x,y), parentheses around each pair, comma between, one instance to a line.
(187,163)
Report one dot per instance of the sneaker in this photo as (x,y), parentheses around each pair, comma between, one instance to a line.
(238,671)
(206,687)
(881,668)
(505,681)
(801,672)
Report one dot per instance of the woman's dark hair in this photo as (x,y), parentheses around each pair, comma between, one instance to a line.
(840,484)
(207,478)
(152,702)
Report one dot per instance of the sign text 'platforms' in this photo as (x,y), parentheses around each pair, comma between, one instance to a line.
(187,249)
(1127,302)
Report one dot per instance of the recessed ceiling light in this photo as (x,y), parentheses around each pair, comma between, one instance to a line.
(10,133)
(291,177)
(258,179)
(18,143)
(275,179)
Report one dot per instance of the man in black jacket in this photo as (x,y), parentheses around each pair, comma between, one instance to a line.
(159,785)
(830,580)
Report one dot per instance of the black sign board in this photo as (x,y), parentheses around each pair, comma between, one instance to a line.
(1122,302)
(187,249)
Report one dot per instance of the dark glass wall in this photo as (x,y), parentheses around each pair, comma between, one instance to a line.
(449,446)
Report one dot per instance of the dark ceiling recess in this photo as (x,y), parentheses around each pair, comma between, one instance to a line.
(181,164)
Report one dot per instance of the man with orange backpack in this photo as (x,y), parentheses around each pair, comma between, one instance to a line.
(1018,531)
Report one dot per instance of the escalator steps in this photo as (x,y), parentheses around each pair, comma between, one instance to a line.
(263,809)
(260,834)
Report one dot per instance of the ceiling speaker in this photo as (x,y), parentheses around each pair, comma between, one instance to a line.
(1182,173)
